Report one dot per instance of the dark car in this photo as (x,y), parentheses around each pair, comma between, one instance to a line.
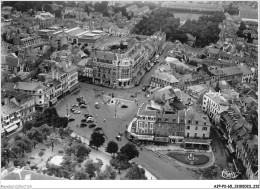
(79,98)
(118,138)
(86,115)
(97,129)
(71,119)
(82,102)
(124,106)
(145,88)
(92,125)
(83,106)
(83,125)
(83,120)
(89,121)
(133,96)
(137,83)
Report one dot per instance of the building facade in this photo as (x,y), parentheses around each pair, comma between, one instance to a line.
(213,104)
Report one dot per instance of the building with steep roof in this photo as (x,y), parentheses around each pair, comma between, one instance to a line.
(163,77)
(11,62)
(37,89)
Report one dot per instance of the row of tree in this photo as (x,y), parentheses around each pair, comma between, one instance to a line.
(205,29)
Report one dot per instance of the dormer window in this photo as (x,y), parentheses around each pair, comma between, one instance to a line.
(197,122)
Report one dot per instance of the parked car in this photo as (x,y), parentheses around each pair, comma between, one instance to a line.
(82,102)
(145,88)
(97,105)
(97,129)
(77,112)
(83,106)
(73,110)
(124,106)
(133,96)
(83,125)
(87,116)
(90,118)
(83,120)
(71,119)
(137,83)
(92,125)
(75,105)
(118,138)
(89,121)
(79,98)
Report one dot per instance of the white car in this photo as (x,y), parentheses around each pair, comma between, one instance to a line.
(90,119)
(77,112)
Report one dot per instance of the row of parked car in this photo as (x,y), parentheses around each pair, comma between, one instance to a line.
(88,120)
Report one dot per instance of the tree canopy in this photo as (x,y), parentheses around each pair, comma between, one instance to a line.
(205,29)
(135,173)
(130,151)
(97,139)
(112,147)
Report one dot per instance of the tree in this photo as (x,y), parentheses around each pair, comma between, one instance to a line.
(120,162)
(130,151)
(35,134)
(135,173)
(86,9)
(82,152)
(112,147)
(91,168)
(58,13)
(81,175)
(41,153)
(25,144)
(27,126)
(108,174)
(97,139)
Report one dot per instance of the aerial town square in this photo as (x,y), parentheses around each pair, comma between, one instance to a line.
(131,90)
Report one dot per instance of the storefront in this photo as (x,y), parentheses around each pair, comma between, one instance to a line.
(175,139)
(197,143)
(162,140)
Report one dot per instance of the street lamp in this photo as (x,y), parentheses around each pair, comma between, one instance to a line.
(67,110)
(52,138)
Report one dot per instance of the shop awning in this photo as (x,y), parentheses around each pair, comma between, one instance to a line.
(176,137)
(11,128)
(161,139)
(54,100)
(197,141)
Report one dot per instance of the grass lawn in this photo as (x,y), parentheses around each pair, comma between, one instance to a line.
(201,159)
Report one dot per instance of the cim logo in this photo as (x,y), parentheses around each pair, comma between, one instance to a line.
(230,175)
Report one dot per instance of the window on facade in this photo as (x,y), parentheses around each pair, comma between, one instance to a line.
(197,122)
(204,128)
(189,121)
(195,135)
(203,135)
(188,127)
(188,134)
(196,128)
